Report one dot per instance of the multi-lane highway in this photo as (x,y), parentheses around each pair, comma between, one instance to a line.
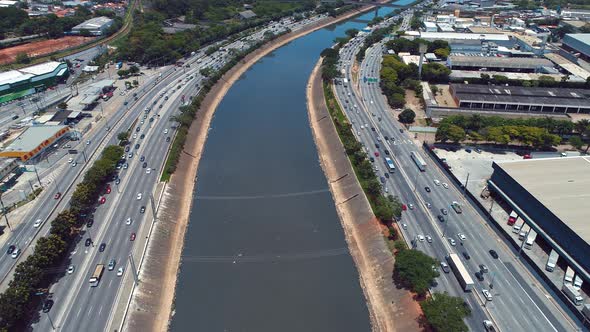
(519,301)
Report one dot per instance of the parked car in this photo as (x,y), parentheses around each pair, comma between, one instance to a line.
(47,305)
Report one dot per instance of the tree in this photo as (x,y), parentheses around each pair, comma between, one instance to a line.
(445,313)
(576,142)
(62,106)
(397,100)
(383,209)
(133,69)
(351,32)
(123,136)
(23,58)
(122,73)
(85,33)
(415,269)
(450,132)
(407,116)
(442,53)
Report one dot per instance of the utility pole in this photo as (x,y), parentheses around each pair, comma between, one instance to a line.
(36,173)
(134,269)
(84,155)
(32,189)
(5,213)
(50,321)
(466,182)
(153,204)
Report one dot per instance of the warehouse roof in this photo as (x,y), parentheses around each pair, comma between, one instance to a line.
(93,23)
(581,37)
(565,192)
(499,62)
(32,137)
(464,36)
(14,76)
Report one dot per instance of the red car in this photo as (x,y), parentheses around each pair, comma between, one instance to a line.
(108,189)
(376,154)
(527,156)
(132,237)
(57,196)
(102,200)
(404,207)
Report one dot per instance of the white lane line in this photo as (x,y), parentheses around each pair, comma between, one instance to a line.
(79,311)
(110,283)
(100,310)
(90,310)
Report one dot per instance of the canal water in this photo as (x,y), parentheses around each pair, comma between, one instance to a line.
(264,250)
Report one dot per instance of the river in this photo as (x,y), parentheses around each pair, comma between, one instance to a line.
(265,250)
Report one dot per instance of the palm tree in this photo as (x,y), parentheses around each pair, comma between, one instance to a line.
(581,126)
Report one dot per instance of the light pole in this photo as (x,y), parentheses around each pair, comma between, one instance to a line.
(5,212)
(466,182)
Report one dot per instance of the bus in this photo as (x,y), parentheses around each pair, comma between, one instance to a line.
(390,165)
(460,272)
(345,82)
(419,161)
(98,271)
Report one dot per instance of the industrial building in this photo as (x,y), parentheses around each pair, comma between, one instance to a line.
(577,43)
(96,26)
(22,82)
(520,99)
(523,65)
(551,195)
(34,140)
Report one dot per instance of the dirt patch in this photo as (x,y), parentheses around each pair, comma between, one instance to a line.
(444,97)
(391,309)
(414,103)
(152,304)
(40,48)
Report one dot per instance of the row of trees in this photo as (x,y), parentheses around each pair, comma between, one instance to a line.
(544,81)
(477,122)
(526,135)
(439,47)
(376,36)
(38,270)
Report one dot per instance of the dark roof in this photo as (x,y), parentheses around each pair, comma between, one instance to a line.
(522,95)
(61,115)
(499,62)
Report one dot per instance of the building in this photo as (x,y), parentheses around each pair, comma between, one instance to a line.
(96,26)
(430,27)
(7,3)
(7,165)
(520,99)
(247,14)
(575,13)
(34,140)
(88,97)
(18,83)
(523,65)
(577,43)
(445,27)
(551,195)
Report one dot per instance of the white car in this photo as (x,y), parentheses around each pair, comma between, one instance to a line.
(444,184)
(15,253)
(452,242)
(128,221)
(139,195)
(428,205)
(71,269)
(165,131)
(362,127)
(148,170)
(37,223)
(120,272)
(486,293)
(428,238)
(88,142)
(461,236)
(74,164)
(70,160)
(404,226)
(411,206)
(436,182)
(134,136)
(420,237)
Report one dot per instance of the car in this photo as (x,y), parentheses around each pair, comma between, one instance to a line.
(120,272)
(373,128)
(142,159)
(376,154)
(71,269)
(132,237)
(494,253)
(404,207)
(382,180)
(37,223)
(88,142)
(57,195)
(478,150)
(386,138)
(428,238)
(436,182)
(377,145)
(411,206)
(134,136)
(486,293)
(461,236)
(139,195)
(452,242)
(47,306)
(125,165)
(70,160)
(386,152)
(117,181)
(428,205)
(102,247)
(102,200)
(108,189)
(15,253)
(88,242)
(128,221)
(168,139)
(137,129)
(74,164)
(165,131)
(404,226)
(148,171)
(136,146)
(401,130)
(444,211)
(130,155)
(427,188)
(468,150)
(466,255)
(127,148)
(142,209)
(112,264)
(144,165)
(141,137)
(483,268)
(386,175)
(445,267)
(420,237)
(372,159)
(10,249)
(456,207)
(444,184)
(479,276)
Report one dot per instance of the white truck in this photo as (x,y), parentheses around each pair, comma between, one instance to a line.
(586,311)
(530,240)
(569,276)
(572,293)
(552,261)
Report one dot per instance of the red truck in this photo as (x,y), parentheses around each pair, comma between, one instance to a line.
(512,218)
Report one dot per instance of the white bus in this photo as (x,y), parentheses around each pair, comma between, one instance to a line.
(345,84)
(460,272)
(390,165)
(418,160)
(97,275)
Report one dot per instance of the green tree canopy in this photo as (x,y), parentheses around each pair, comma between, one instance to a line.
(415,269)
(407,116)
(445,313)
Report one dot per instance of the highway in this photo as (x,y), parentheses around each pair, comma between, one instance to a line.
(519,303)
(79,307)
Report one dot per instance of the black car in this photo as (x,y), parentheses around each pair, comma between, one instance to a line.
(466,255)
(117,181)
(10,249)
(168,139)
(142,209)
(89,223)
(387,175)
(127,148)
(427,189)
(137,129)
(144,165)
(479,276)
(88,242)
(102,247)
(142,158)
(373,128)
(386,138)
(401,130)
(386,152)
(372,159)
(142,136)
(494,254)
(47,305)
(441,218)
(136,146)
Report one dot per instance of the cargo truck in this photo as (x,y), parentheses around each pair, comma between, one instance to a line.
(569,276)
(512,218)
(572,293)
(552,261)
(530,240)
(460,272)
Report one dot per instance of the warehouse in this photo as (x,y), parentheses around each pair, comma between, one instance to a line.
(555,206)
(521,65)
(34,140)
(18,83)
(96,26)
(520,99)
(578,43)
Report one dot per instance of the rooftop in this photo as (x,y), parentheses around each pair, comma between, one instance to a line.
(565,192)
(13,76)
(93,23)
(464,36)
(499,62)
(581,37)
(32,137)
